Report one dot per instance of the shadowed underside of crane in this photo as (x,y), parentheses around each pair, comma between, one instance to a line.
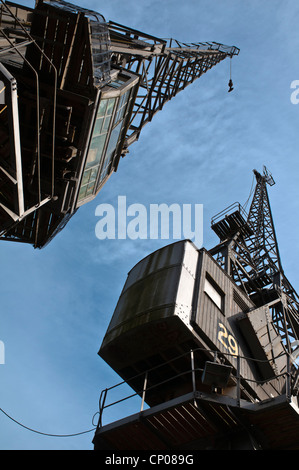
(209,341)
(76,91)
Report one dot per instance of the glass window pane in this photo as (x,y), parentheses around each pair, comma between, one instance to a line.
(99,140)
(95,152)
(117,83)
(82,192)
(90,188)
(85,178)
(93,174)
(114,137)
(98,126)
(122,105)
(91,157)
(110,106)
(106,168)
(106,124)
(102,107)
(213,294)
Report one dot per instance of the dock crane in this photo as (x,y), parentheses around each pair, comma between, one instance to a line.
(209,341)
(76,92)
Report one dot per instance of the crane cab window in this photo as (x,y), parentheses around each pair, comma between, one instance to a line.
(108,134)
(214,293)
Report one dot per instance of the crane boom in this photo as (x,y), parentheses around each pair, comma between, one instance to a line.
(77,91)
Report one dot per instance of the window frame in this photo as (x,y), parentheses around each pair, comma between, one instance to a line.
(105,163)
(215,289)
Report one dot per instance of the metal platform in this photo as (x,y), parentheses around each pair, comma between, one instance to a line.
(231,220)
(211,410)
(202,421)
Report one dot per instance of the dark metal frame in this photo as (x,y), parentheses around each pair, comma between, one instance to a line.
(47,39)
(17,51)
(248,251)
(165,67)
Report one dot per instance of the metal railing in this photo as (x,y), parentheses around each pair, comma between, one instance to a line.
(17,50)
(235,207)
(239,380)
(204,46)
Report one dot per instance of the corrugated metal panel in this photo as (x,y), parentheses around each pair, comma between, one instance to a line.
(170,255)
(219,326)
(151,322)
(279,425)
(182,424)
(134,436)
(264,342)
(158,287)
(170,427)
(190,424)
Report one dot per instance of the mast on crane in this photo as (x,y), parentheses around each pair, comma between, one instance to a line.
(248,251)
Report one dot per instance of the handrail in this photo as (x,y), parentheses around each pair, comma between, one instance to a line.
(229,210)
(53,68)
(142,393)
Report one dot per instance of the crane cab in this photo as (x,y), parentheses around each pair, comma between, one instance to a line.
(201,354)
(179,299)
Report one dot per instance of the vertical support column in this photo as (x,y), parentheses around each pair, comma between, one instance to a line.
(144,391)
(238,381)
(101,407)
(288,379)
(193,371)
(11,100)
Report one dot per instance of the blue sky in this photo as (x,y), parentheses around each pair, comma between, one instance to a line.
(201,149)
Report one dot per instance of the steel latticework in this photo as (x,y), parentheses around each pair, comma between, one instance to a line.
(165,67)
(76,91)
(249,252)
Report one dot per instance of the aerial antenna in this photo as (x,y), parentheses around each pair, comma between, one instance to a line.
(268,176)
